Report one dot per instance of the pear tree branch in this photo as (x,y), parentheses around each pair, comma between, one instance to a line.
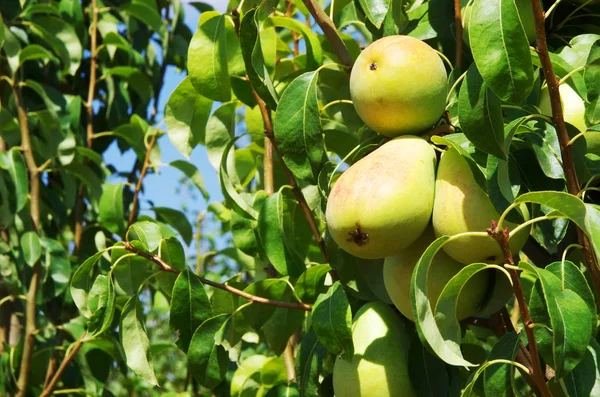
(140,182)
(459,35)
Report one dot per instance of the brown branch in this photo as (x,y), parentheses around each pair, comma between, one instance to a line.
(295,35)
(459,35)
(52,364)
(52,384)
(138,186)
(89,130)
(326,24)
(34,208)
(252,298)
(563,136)
(502,237)
(441,130)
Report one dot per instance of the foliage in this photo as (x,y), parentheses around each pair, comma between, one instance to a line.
(121,301)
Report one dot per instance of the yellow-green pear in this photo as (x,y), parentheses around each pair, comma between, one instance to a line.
(592,140)
(383,202)
(398,86)
(462,206)
(379,367)
(398,269)
(573,106)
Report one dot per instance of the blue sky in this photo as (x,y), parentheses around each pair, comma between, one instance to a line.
(161,188)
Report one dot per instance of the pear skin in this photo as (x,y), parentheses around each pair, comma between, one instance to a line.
(462,206)
(572,105)
(379,367)
(398,269)
(398,86)
(383,202)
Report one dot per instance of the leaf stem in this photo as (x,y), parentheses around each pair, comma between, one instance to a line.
(252,298)
(336,102)
(138,186)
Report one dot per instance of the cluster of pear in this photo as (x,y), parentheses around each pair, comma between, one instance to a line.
(393,203)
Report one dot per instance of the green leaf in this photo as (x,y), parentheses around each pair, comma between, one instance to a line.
(82,282)
(32,247)
(244,231)
(280,327)
(498,378)
(147,13)
(102,318)
(189,307)
(207,57)
(208,361)
(428,374)
(309,362)
(177,220)
(186,115)
(111,213)
(219,132)
(136,79)
(62,38)
(250,42)
(297,128)
(592,83)
(34,52)
(193,174)
(375,10)
(480,115)
(172,252)
(1,32)
(314,51)
(134,340)
(129,271)
(500,49)
(58,265)
(332,321)
(148,233)
(273,222)
(275,289)
(15,164)
(584,380)
(310,284)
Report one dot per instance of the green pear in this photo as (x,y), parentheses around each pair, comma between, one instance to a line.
(525,12)
(462,206)
(592,140)
(572,105)
(398,269)
(379,367)
(398,86)
(383,202)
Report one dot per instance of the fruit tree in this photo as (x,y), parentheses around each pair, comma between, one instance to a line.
(350,198)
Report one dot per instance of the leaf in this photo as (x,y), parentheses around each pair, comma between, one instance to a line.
(297,128)
(257,315)
(147,13)
(58,265)
(130,271)
(186,115)
(375,10)
(1,32)
(102,318)
(428,374)
(171,251)
(34,52)
(134,340)
(219,132)
(193,175)
(208,361)
(310,283)
(81,284)
(62,38)
(32,247)
(272,232)
(500,49)
(332,321)
(314,51)
(584,380)
(280,327)
(177,220)
(309,362)
(244,231)
(591,77)
(148,233)
(18,173)
(207,58)
(190,307)
(480,115)
(111,213)
(498,377)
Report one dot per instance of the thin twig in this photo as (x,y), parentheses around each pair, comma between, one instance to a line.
(563,136)
(295,35)
(89,130)
(459,35)
(34,209)
(502,237)
(138,186)
(50,387)
(252,298)
(326,24)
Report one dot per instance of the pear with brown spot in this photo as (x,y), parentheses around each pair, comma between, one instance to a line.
(383,203)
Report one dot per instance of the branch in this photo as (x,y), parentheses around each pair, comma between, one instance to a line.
(138,186)
(80,205)
(252,298)
(330,32)
(563,136)
(295,35)
(52,384)
(459,35)
(502,237)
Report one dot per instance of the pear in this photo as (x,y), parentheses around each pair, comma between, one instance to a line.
(379,367)
(462,206)
(398,269)
(398,86)
(572,105)
(383,202)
